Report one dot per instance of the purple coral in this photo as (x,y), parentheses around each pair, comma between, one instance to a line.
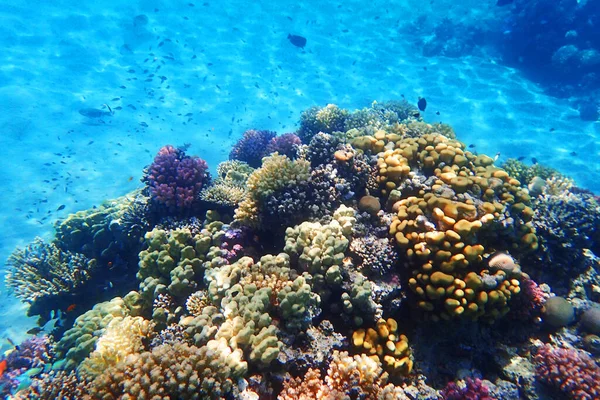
(32,353)
(239,242)
(252,147)
(571,371)
(286,144)
(472,389)
(175,179)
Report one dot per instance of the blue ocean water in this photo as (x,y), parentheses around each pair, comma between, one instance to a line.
(90,91)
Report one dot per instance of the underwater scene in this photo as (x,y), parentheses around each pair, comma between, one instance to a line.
(285,200)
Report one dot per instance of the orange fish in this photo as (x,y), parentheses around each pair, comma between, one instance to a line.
(3,366)
(71,307)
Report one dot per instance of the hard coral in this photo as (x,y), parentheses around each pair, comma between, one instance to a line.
(252,147)
(175,371)
(286,145)
(47,277)
(469,389)
(570,371)
(175,179)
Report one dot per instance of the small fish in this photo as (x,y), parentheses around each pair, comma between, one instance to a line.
(296,40)
(3,367)
(422,103)
(130,179)
(94,113)
(35,330)
(534,160)
(71,308)
(471,146)
(437,113)
(61,207)
(521,158)
(497,156)
(552,129)
(574,154)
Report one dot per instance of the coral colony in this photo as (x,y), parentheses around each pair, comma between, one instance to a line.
(368,255)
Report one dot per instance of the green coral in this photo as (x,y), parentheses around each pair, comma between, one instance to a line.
(173,261)
(525,173)
(229,189)
(97,232)
(277,172)
(326,119)
(78,342)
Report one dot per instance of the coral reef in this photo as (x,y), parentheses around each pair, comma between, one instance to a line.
(304,270)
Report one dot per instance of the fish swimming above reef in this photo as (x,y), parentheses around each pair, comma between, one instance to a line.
(422,103)
(298,41)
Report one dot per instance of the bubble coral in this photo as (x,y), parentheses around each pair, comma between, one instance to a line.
(570,371)
(252,147)
(175,179)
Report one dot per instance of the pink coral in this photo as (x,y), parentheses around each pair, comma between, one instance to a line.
(175,179)
(571,371)
(469,389)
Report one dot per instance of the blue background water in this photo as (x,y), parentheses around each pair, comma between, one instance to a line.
(203,72)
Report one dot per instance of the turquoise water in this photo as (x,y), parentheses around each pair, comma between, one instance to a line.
(202,73)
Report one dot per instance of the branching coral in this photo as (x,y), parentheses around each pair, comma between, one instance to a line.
(175,179)
(176,371)
(252,147)
(45,276)
(277,173)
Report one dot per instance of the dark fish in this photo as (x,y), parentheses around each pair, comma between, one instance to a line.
(534,160)
(94,113)
(62,207)
(34,331)
(296,40)
(422,103)
(521,158)
(574,154)
(501,3)
(552,129)
(437,113)
(471,146)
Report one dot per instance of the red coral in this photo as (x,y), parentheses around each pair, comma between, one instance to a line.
(473,389)
(571,371)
